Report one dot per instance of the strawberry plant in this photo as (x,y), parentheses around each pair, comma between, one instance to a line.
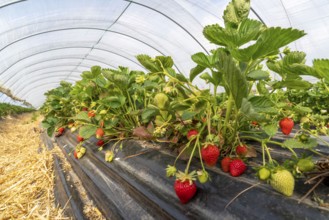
(244,103)
(8,109)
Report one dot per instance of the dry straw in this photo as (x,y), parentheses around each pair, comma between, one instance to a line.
(26,176)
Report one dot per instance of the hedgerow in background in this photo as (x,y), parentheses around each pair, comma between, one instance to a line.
(163,105)
(8,109)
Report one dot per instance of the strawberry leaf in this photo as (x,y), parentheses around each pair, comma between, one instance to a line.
(87,131)
(258,75)
(294,143)
(235,82)
(270,129)
(196,71)
(268,43)
(322,68)
(82,116)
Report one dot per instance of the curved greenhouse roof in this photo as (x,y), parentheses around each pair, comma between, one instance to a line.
(44,42)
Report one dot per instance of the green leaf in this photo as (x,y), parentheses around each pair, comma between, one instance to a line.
(179,106)
(100,81)
(87,75)
(167,62)
(247,31)
(294,143)
(258,75)
(208,78)
(96,70)
(196,71)
(270,129)
(302,109)
(113,101)
(261,102)
(201,59)
(148,63)
(322,68)
(82,116)
(261,88)
(218,35)
(50,131)
(148,113)
(249,112)
(235,81)
(268,43)
(188,115)
(87,131)
(235,12)
(293,84)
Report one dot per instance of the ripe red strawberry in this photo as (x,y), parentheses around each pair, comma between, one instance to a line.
(286,125)
(225,164)
(91,114)
(100,143)
(192,133)
(185,190)
(75,154)
(61,130)
(210,154)
(237,167)
(254,123)
(241,150)
(99,133)
(79,138)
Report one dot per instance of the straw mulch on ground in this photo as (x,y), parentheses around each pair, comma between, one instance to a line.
(26,175)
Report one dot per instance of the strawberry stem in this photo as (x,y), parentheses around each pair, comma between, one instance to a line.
(263,153)
(197,144)
(191,156)
(268,154)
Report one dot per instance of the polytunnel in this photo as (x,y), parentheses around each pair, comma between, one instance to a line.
(129,92)
(44,42)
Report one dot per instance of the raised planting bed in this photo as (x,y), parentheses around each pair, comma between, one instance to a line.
(135,185)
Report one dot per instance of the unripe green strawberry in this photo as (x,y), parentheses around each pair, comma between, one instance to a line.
(283,181)
(79,155)
(286,125)
(203,176)
(83,150)
(305,165)
(264,173)
(160,100)
(109,155)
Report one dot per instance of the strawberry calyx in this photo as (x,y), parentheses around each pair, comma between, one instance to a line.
(186,176)
(171,171)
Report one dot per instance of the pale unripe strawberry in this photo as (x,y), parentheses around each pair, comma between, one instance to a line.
(283,181)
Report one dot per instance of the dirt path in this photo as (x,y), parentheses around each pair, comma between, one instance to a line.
(26,176)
